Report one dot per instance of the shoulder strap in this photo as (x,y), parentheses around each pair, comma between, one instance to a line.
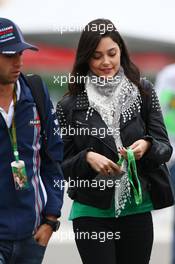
(36,86)
(144,109)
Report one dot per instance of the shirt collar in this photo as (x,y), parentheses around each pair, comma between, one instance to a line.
(18,90)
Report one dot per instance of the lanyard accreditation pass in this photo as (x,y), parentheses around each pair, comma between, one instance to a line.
(18,166)
(133,176)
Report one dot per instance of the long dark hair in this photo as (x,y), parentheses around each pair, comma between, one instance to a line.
(89,40)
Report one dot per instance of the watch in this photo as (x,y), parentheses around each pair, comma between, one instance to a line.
(54,224)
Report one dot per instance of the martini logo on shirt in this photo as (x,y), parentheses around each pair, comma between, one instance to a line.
(35,122)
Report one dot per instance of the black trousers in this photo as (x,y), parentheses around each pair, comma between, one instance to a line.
(123,240)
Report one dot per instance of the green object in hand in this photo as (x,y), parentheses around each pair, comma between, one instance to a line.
(132,175)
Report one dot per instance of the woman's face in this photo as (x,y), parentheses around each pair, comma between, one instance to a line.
(105,60)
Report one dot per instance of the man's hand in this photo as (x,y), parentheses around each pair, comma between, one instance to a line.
(139,148)
(44,232)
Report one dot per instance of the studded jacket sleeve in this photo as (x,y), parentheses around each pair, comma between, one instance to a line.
(161,149)
(74,163)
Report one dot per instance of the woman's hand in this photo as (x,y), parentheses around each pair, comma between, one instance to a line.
(102,164)
(139,147)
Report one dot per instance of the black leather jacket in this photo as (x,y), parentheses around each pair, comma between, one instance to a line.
(147,124)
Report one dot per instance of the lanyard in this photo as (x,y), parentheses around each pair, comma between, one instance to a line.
(132,175)
(12,131)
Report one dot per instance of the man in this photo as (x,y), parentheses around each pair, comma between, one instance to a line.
(30,196)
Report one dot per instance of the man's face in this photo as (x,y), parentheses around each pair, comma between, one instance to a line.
(10,68)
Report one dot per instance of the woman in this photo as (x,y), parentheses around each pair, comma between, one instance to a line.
(110,113)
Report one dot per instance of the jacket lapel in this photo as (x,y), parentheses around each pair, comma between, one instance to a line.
(94,121)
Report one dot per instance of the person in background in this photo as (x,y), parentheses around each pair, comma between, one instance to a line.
(29,202)
(165,87)
(114,134)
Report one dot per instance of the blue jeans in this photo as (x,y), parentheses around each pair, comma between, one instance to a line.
(25,251)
